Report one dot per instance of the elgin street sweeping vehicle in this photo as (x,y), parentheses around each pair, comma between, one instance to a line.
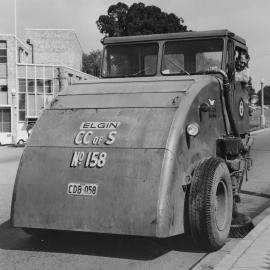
(158,146)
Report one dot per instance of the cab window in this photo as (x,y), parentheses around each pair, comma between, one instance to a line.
(134,60)
(191,56)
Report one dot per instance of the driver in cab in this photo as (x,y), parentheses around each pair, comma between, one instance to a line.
(242,73)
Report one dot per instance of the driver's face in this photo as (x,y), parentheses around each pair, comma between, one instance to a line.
(241,62)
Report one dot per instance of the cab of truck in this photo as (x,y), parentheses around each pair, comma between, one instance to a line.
(178,54)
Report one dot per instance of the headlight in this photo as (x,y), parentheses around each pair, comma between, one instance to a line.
(193,129)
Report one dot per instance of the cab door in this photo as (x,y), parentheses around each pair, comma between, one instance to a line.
(241,100)
(239,93)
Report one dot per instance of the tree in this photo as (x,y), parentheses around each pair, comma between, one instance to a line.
(138,19)
(250,89)
(266,94)
(91,62)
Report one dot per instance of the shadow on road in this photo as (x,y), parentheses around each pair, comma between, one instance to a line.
(116,246)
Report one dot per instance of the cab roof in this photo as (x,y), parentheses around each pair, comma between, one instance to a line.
(169,36)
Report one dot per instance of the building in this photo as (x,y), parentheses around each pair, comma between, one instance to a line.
(31,74)
(60,47)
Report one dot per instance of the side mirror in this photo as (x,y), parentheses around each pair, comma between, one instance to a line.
(254,99)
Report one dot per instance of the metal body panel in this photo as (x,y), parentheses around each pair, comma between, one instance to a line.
(125,202)
(132,85)
(138,128)
(188,151)
(140,190)
(124,100)
(241,107)
(170,36)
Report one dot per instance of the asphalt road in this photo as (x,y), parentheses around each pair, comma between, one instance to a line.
(91,251)
(255,118)
(256,192)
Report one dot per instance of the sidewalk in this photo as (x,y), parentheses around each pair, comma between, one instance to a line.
(252,252)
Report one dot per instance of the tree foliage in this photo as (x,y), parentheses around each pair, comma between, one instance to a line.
(250,89)
(138,19)
(266,94)
(91,62)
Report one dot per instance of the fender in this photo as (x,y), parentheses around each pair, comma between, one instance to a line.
(182,157)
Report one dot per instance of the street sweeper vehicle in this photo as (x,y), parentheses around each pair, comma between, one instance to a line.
(158,146)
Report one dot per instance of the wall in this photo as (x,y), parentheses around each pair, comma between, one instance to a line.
(58,47)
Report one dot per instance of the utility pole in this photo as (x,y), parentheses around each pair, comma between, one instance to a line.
(262,105)
(15,18)
(14,116)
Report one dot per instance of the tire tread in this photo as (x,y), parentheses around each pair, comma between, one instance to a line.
(200,203)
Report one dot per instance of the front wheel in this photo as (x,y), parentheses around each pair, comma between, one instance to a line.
(210,204)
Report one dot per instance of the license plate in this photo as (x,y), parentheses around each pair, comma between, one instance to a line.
(82,189)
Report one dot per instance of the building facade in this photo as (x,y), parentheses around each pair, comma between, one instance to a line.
(60,47)
(31,75)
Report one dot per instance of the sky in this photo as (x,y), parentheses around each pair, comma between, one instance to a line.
(249,19)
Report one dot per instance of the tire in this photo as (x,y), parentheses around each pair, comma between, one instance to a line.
(21,142)
(210,204)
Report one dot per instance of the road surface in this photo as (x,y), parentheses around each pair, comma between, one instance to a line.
(100,252)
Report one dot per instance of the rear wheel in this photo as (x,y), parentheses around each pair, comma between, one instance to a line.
(210,204)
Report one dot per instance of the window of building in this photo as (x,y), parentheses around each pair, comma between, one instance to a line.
(48,86)
(3,52)
(3,59)
(3,44)
(22,107)
(20,55)
(22,85)
(31,108)
(5,120)
(22,99)
(3,88)
(40,86)
(34,95)
(31,85)
(3,70)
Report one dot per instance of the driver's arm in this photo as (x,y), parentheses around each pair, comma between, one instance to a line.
(242,76)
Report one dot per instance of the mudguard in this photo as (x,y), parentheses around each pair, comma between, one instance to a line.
(126,137)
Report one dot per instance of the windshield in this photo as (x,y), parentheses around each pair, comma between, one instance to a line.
(191,56)
(135,60)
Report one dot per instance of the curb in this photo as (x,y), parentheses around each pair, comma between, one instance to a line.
(12,145)
(230,259)
(259,131)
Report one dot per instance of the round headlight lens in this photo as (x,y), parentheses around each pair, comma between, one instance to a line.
(193,129)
